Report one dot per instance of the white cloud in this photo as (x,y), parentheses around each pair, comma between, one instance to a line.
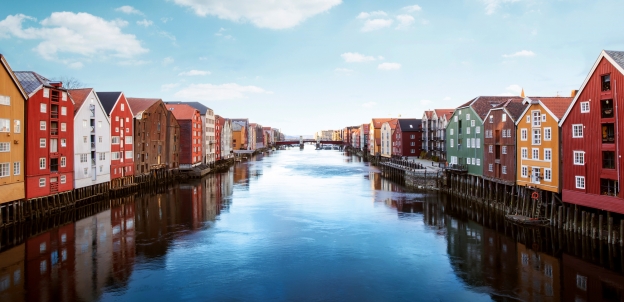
(354,57)
(412,8)
(127,9)
(167,87)
(75,65)
(376,24)
(194,72)
(389,66)
(203,58)
(343,70)
(210,92)
(381,58)
(491,6)
(145,23)
(448,98)
(168,60)
(274,14)
(369,104)
(514,89)
(404,21)
(133,62)
(522,53)
(74,33)
(165,20)
(425,102)
(365,15)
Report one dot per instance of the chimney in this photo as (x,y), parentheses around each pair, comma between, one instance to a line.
(573,93)
(56,84)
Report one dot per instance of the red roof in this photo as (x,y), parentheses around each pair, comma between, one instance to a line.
(444,112)
(393,123)
(377,122)
(428,113)
(182,111)
(140,104)
(79,96)
(557,105)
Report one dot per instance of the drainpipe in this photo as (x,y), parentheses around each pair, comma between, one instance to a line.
(617,138)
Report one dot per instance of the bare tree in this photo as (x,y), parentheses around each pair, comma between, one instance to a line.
(69,82)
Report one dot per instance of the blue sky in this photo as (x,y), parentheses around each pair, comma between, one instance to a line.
(307,65)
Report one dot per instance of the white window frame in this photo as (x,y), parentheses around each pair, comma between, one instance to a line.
(63,110)
(580,182)
(524,134)
(537,118)
(63,179)
(478,161)
(535,153)
(504,150)
(42,143)
(63,127)
(452,141)
(584,107)
(42,182)
(491,167)
(524,153)
(63,161)
(5,125)
(478,130)
(43,107)
(42,163)
(17,168)
(547,134)
(491,148)
(17,128)
(578,157)
(63,142)
(5,169)
(504,169)
(576,127)
(543,118)
(547,174)
(42,125)
(536,136)
(524,172)
(5,100)
(504,117)
(5,147)
(548,154)
(478,144)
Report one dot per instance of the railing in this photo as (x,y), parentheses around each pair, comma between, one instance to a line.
(92,109)
(54,131)
(92,145)
(93,162)
(457,167)
(54,114)
(92,129)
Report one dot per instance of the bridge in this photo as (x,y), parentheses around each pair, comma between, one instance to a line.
(297,142)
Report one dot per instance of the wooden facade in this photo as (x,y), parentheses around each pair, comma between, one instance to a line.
(388,138)
(409,138)
(50,140)
(150,137)
(374,135)
(13,100)
(592,157)
(173,142)
(538,144)
(499,157)
(218,127)
(191,149)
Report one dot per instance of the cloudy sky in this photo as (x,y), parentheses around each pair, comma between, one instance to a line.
(306,65)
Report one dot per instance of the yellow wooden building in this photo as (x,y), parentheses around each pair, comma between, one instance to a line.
(537,144)
(12,144)
(374,135)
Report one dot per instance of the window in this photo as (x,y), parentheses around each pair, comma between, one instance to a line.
(115,140)
(42,125)
(63,161)
(477,129)
(467,130)
(128,154)
(606,108)
(411,136)
(127,130)
(123,107)
(608,159)
(609,187)
(605,82)
(128,140)
(523,134)
(116,129)
(16,127)
(537,137)
(478,143)
(42,163)
(543,118)
(584,107)
(5,147)
(115,155)
(504,133)
(42,143)
(491,148)
(451,143)
(528,119)
(84,139)
(84,158)
(412,144)
(43,108)
(579,157)
(580,182)
(504,149)
(63,127)
(537,118)
(16,168)
(63,110)
(577,130)
(85,171)
(478,161)
(504,117)
(451,131)
(548,154)
(455,118)
(525,171)
(63,142)
(547,174)
(491,167)
(99,139)
(42,182)
(472,123)
(102,156)
(5,125)
(5,100)
(504,169)
(547,134)
(524,153)
(63,179)
(4,170)
(535,153)
(608,133)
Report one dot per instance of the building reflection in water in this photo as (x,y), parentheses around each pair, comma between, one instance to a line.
(584,281)
(12,273)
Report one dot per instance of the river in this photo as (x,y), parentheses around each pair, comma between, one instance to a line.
(299,226)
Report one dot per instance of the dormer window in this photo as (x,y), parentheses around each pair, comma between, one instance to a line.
(605,81)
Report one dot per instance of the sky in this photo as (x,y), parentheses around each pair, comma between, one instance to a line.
(307,65)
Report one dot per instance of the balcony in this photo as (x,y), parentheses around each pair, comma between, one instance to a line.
(92,109)
(54,114)
(92,129)
(458,168)
(92,145)
(54,132)
(93,162)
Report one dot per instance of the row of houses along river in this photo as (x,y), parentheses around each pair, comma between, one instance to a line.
(299,225)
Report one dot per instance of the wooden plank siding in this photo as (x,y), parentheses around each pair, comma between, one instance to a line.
(592,143)
(464,143)
(503,164)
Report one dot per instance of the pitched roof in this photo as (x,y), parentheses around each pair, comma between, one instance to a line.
(410,124)
(444,112)
(182,111)
(108,100)
(617,56)
(141,104)
(197,105)
(31,81)
(377,122)
(236,127)
(13,76)
(557,105)
(79,96)
(482,104)
(428,113)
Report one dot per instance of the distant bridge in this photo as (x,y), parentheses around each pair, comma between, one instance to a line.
(293,142)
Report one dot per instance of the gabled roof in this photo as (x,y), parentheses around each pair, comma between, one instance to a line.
(182,111)
(197,105)
(616,58)
(138,105)
(236,127)
(555,106)
(79,96)
(482,104)
(13,77)
(428,114)
(377,122)
(447,113)
(514,108)
(410,124)
(31,81)
(108,100)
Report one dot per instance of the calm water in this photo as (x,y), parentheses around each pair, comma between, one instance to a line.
(298,226)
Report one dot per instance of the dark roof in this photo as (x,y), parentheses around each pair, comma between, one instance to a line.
(182,111)
(108,100)
(140,104)
(482,104)
(617,56)
(410,124)
(79,96)
(197,105)
(31,80)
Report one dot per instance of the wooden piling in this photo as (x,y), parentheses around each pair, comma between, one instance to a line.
(622,235)
(600,221)
(609,227)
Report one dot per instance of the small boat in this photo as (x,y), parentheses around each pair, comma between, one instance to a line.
(519,219)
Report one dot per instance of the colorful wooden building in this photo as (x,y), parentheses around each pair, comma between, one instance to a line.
(122,138)
(537,144)
(13,100)
(388,137)
(218,125)
(591,142)
(434,123)
(374,135)
(408,134)
(226,139)
(191,151)
(499,126)
(50,140)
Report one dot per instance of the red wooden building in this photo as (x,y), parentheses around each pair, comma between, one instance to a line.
(189,118)
(219,121)
(591,150)
(408,134)
(499,139)
(122,134)
(50,139)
